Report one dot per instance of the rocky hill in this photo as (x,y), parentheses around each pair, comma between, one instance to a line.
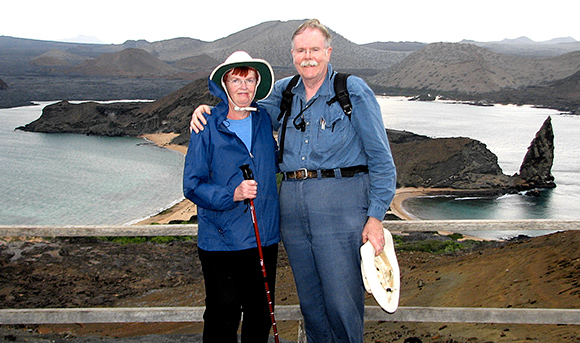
(168,114)
(467,68)
(561,94)
(269,40)
(58,58)
(17,53)
(129,62)
(525,47)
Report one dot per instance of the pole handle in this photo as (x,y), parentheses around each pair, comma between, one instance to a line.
(248,175)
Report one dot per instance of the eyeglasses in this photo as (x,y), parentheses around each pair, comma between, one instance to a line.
(304,51)
(302,125)
(238,82)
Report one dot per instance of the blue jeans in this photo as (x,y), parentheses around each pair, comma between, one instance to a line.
(321,225)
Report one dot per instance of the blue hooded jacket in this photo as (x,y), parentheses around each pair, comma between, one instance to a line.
(212,173)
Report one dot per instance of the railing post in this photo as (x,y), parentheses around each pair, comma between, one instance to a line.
(301,332)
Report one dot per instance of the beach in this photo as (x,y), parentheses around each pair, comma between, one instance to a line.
(401,195)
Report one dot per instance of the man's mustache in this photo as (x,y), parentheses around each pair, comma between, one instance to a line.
(309,63)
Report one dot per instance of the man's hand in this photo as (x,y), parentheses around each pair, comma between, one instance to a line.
(248,189)
(198,120)
(373,231)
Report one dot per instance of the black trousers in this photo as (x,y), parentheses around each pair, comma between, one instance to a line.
(234,284)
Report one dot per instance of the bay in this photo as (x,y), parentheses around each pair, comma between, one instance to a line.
(71,179)
(66,179)
(507,131)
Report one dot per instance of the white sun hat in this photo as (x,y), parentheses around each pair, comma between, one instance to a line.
(243,59)
(381,274)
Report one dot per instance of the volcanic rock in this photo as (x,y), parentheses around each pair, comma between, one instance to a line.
(168,114)
(464,163)
(536,170)
(461,163)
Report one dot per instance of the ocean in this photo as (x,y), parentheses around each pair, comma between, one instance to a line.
(71,179)
(507,131)
(67,179)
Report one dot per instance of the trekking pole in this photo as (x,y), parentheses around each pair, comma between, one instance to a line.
(248,175)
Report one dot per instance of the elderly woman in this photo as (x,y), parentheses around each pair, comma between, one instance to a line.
(238,132)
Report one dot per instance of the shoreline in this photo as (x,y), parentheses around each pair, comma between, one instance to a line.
(402,194)
(182,210)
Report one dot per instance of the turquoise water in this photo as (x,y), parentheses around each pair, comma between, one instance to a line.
(73,179)
(507,131)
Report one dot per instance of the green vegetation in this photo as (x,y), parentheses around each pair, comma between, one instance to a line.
(431,246)
(154,239)
(147,239)
(438,244)
(455,236)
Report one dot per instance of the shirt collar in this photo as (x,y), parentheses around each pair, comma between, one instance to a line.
(327,87)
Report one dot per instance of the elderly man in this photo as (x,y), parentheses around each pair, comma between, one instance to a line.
(338,181)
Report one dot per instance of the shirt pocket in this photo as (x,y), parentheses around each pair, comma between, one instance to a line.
(332,133)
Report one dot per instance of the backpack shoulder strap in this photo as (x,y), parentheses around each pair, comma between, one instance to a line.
(285,111)
(341,94)
(287,95)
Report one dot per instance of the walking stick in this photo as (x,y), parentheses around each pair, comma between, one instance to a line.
(248,175)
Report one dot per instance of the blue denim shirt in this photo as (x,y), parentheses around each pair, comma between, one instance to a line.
(332,140)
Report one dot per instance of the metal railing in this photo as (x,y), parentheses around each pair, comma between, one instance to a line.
(291,312)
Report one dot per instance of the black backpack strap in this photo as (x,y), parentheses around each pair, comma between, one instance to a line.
(287,95)
(285,111)
(341,92)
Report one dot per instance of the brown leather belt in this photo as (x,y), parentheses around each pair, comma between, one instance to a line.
(303,174)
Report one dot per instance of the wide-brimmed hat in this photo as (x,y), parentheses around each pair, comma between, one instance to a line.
(243,59)
(381,274)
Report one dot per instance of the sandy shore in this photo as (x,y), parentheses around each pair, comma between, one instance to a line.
(164,140)
(401,195)
(405,193)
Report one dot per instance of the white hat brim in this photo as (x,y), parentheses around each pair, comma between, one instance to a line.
(381,274)
(243,59)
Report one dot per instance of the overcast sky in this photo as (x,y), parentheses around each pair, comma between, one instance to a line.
(361,21)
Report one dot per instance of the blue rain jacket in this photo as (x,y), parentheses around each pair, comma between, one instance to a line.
(212,173)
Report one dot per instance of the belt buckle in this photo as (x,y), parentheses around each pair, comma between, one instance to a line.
(304,170)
